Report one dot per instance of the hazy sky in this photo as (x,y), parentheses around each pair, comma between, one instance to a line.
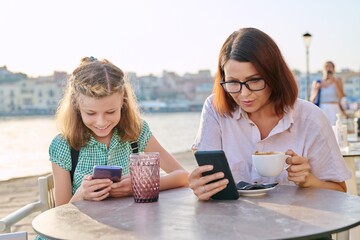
(145,36)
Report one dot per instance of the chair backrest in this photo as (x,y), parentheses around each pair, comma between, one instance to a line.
(46,201)
(46,192)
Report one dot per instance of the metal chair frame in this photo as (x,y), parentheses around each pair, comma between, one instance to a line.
(46,201)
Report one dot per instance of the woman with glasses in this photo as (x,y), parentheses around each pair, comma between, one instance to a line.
(254,107)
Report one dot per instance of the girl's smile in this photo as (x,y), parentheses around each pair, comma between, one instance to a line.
(101,115)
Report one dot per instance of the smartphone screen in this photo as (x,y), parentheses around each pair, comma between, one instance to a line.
(111,172)
(218,159)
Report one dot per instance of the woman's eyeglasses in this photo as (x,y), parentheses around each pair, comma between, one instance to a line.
(254,84)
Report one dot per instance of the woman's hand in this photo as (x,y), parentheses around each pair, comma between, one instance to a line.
(201,186)
(93,189)
(122,188)
(299,171)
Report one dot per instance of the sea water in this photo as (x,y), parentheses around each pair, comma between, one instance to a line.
(24,141)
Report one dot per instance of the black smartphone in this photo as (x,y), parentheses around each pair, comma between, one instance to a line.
(111,172)
(218,159)
(254,186)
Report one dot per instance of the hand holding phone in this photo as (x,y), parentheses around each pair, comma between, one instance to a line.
(111,172)
(329,74)
(218,159)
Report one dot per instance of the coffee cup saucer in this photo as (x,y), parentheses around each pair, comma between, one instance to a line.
(254,189)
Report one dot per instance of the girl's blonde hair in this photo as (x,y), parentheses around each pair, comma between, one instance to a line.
(97,79)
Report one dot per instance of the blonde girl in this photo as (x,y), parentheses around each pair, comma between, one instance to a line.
(99,117)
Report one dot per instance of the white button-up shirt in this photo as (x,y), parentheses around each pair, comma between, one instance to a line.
(303,129)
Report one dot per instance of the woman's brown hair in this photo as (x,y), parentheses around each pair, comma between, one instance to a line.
(254,46)
(97,79)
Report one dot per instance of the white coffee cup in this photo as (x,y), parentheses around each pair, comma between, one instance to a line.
(269,164)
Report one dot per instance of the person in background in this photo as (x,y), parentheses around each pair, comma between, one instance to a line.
(328,92)
(254,107)
(99,117)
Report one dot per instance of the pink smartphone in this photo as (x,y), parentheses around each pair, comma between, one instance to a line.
(111,172)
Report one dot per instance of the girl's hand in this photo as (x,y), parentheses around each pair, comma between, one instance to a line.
(122,188)
(93,189)
(201,186)
(299,171)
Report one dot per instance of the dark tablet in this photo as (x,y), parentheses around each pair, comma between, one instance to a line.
(218,159)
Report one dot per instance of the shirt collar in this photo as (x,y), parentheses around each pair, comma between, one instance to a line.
(239,113)
(286,122)
(289,117)
(113,142)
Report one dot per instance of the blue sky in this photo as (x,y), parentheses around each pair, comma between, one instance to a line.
(145,36)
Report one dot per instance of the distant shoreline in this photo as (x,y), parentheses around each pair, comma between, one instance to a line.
(5,117)
(2,115)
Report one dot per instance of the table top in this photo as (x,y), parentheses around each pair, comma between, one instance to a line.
(353,138)
(351,152)
(354,146)
(286,212)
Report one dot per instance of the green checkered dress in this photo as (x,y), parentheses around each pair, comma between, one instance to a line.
(96,153)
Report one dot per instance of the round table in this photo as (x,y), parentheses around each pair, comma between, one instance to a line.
(286,212)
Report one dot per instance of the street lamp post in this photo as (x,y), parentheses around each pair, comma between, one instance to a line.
(307,40)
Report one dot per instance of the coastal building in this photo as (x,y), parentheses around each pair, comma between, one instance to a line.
(8,98)
(30,96)
(170,92)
